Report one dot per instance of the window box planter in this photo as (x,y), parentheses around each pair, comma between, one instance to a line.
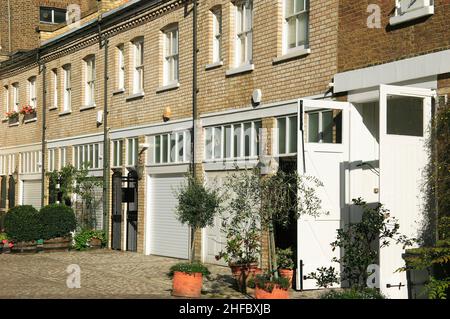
(25,247)
(58,244)
(29,117)
(13,120)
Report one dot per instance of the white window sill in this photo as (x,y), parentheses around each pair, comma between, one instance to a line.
(168,87)
(292,54)
(52,108)
(30,120)
(5,119)
(118,91)
(214,65)
(412,15)
(240,69)
(14,124)
(135,96)
(87,107)
(65,113)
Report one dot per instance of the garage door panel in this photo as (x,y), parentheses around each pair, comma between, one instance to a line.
(31,193)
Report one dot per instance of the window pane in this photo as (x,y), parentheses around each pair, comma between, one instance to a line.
(299,5)
(91,156)
(174,42)
(327,127)
(282,136)
(293,134)
(136,151)
(227,146)
(404,116)
(237,140)
(256,135)
(247,138)
(60,16)
(130,152)
(165,147)
(313,127)
(289,9)
(208,143)
(45,15)
(302,29)
(173,150)
(157,149)
(291,33)
(97,156)
(217,142)
(180,146)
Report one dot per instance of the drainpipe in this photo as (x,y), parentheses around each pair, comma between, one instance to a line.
(43,70)
(9,27)
(103,43)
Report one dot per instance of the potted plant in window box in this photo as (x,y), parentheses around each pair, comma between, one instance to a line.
(12,116)
(197,206)
(286,264)
(28,112)
(269,287)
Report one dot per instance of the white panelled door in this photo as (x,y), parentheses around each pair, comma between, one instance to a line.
(405,114)
(167,236)
(31,193)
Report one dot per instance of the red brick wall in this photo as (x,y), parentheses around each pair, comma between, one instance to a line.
(359,46)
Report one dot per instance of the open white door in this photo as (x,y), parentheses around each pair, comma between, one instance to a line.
(405,114)
(322,152)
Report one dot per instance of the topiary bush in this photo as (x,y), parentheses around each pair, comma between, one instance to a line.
(353,293)
(56,221)
(22,224)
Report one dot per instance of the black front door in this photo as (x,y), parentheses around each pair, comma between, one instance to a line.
(116,222)
(11,192)
(132,210)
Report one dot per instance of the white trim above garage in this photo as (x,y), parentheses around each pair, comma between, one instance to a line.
(75,140)
(394,72)
(152,129)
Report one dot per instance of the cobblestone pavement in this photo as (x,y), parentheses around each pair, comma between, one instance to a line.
(104,274)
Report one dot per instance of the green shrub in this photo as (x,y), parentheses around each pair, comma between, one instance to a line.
(22,223)
(366,293)
(3,236)
(56,221)
(83,237)
(189,268)
(285,258)
(267,283)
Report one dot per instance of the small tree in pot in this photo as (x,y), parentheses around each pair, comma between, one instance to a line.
(286,264)
(197,206)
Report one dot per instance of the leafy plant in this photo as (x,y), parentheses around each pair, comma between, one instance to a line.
(438,288)
(366,293)
(22,223)
(357,242)
(3,236)
(56,221)
(285,258)
(325,277)
(189,268)
(267,282)
(197,206)
(83,237)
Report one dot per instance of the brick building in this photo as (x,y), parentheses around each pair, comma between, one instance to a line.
(261,64)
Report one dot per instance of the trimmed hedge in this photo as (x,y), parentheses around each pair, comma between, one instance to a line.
(56,221)
(22,223)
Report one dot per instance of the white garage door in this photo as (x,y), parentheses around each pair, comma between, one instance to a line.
(32,193)
(214,237)
(168,237)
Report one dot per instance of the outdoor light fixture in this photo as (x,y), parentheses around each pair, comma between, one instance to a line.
(167,114)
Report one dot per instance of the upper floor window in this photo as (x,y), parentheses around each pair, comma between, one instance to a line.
(138,66)
(407,10)
(62,157)
(120,67)
(244,32)
(16,97)
(67,105)
(32,100)
(171,148)
(87,156)
(51,159)
(132,151)
(170,55)
(55,87)
(216,35)
(287,135)
(30,162)
(52,15)
(117,153)
(90,81)
(6,98)
(296,18)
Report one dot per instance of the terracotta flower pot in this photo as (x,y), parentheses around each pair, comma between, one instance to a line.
(288,274)
(243,273)
(277,293)
(187,285)
(95,243)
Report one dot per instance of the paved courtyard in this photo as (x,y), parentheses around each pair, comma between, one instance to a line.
(104,274)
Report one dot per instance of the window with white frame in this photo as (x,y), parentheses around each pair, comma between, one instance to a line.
(87,155)
(62,157)
(296,21)
(55,88)
(51,159)
(232,141)
(67,105)
(6,99)
(120,67)
(117,153)
(32,99)
(132,151)
(170,55)
(30,162)
(244,32)
(324,127)
(138,66)
(171,148)
(216,34)
(90,81)
(3,163)
(287,135)
(407,10)
(16,97)
(11,164)
(52,15)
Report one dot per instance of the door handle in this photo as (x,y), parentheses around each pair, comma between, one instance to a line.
(400,285)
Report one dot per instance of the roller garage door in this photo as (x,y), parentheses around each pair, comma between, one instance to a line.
(168,237)
(31,194)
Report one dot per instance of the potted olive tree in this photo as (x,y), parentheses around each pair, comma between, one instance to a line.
(197,206)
